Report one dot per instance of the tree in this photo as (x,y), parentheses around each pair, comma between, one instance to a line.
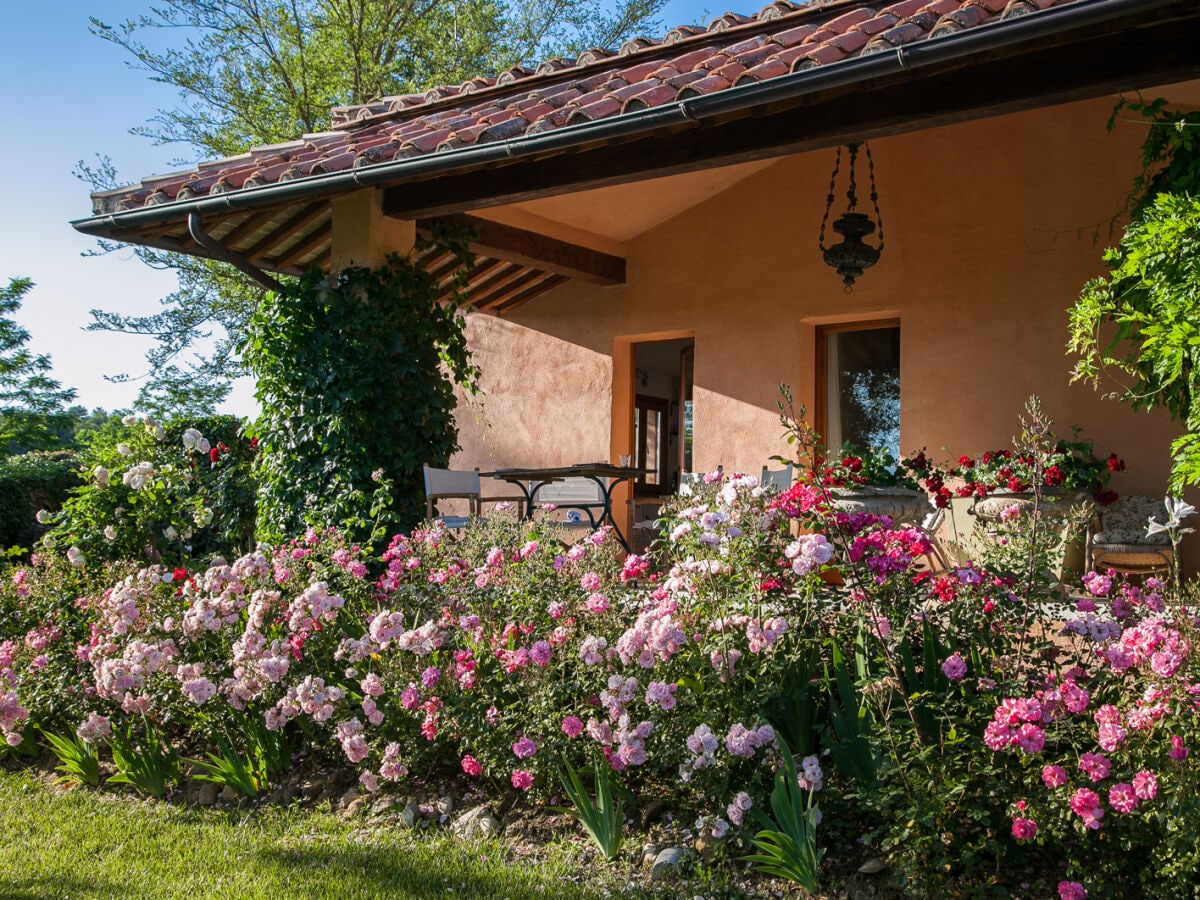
(254,72)
(1141,322)
(33,413)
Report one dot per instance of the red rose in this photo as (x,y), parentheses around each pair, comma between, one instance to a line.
(966,462)
(1115,463)
(1054,476)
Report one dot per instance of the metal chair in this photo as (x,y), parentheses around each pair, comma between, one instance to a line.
(1121,543)
(452,484)
(580,497)
(781,479)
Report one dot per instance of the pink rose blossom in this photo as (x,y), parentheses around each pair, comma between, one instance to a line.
(572,726)
(521,780)
(955,667)
(1071,890)
(1024,829)
(1145,785)
(1178,750)
(524,748)
(1122,798)
(1086,804)
(1094,766)
(1054,776)
(471,766)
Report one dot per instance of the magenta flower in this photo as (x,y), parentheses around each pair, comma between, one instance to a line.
(471,766)
(1054,776)
(1071,890)
(1177,751)
(1024,829)
(524,748)
(1094,766)
(1031,738)
(521,780)
(1122,798)
(1145,785)
(955,667)
(1086,804)
(572,726)
(590,582)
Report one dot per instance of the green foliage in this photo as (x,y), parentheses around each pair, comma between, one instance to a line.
(245,774)
(356,376)
(32,404)
(603,818)
(1141,321)
(28,483)
(147,761)
(78,760)
(850,716)
(788,846)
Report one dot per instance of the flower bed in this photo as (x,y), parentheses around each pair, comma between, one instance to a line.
(948,730)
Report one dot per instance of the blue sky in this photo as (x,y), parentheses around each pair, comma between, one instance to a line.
(67,96)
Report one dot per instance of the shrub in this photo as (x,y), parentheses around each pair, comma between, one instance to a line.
(28,483)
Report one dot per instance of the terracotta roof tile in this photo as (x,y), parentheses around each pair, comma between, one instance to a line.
(689,61)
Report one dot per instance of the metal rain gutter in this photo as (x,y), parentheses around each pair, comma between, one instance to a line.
(1055,20)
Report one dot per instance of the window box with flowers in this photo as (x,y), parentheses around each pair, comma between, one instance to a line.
(873,482)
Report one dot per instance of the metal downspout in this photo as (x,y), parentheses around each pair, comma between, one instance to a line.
(223,253)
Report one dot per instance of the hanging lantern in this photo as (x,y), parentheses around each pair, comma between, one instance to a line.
(851,257)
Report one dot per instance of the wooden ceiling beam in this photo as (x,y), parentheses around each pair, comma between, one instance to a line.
(533,249)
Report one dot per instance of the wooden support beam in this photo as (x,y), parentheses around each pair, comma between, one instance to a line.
(530,248)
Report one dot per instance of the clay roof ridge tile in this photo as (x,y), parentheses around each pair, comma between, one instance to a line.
(637,44)
(967,16)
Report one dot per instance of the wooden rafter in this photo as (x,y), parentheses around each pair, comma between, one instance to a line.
(296,223)
(543,284)
(306,245)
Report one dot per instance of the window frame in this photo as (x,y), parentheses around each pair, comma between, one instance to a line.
(821,358)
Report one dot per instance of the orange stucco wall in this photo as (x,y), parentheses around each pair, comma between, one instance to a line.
(991,229)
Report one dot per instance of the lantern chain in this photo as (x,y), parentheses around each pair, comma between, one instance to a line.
(837,162)
(874,193)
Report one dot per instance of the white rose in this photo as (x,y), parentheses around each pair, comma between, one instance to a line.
(203,445)
(190,438)
(202,517)
(124,450)
(101,475)
(159,432)
(128,420)
(48,541)
(170,533)
(43,516)
(110,532)
(75,557)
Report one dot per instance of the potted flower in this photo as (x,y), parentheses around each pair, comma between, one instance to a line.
(874,482)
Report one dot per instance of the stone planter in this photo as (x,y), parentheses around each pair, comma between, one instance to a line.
(906,507)
(1056,506)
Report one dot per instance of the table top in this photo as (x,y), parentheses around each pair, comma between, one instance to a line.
(592,469)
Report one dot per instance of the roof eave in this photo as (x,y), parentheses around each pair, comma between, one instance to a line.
(785,90)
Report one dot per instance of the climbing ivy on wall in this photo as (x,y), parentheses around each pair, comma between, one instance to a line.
(356,373)
(1139,325)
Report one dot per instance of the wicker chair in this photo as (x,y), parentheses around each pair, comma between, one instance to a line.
(1121,542)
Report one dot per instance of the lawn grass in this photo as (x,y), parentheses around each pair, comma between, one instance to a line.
(81,844)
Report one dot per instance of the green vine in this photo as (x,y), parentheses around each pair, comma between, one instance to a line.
(356,375)
(1140,324)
